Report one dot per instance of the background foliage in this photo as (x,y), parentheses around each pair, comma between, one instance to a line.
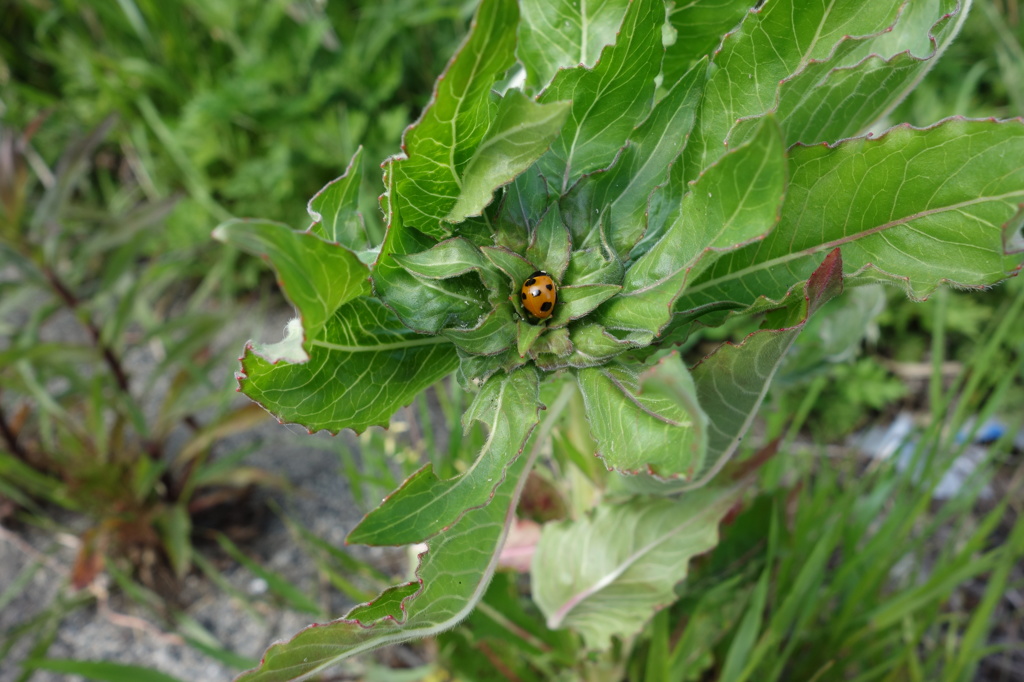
(235,108)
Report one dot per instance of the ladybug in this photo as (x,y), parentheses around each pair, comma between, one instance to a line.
(539,295)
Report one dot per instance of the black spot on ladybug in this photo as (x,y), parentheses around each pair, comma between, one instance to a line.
(530,282)
(524,295)
(545,306)
(550,287)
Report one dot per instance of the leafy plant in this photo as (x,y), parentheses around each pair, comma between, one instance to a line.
(672,169)
(88,424)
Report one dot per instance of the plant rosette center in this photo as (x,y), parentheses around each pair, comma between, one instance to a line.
(475,292)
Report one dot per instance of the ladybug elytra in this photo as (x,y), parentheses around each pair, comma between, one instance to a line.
(539,295)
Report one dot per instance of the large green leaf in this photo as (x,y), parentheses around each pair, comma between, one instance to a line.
(915,207)
(467,143)
(424,505)
(593,345)
(647,424)
(771,44)
(452,576)
(550,244)
(842,96)
(624,189)
(607,574)
(316,276)
(608,101)
(699,26)
(522,130)
(732,381)
(363,365)
(335,208)
(560,34)
(834,336)
(733,203)
(495,333)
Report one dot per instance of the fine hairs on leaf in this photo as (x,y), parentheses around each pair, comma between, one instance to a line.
(673,168)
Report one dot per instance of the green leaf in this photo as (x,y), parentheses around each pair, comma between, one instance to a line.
(733,380)
(699,26)
(335,208)
(442,146)
(494,334)
(522,130)
(607,574)
(515,267)
(425,303)
(176,527)
(316,276)
(474,370)
(594,265)
(608,101)
(834,336)
(844,95)
(424,505)
(550,348)
(453,257)
(651,424)
(550,244)
(920,29)
(561,34)
(624,189)
(452,577)
(526,201)
(387,605)
(362,367)
(526,335)
(733,203)
(99,670)
(913,207)
(771,44)
(575,302)
(593,345)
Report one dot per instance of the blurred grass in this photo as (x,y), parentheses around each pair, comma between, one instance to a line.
(247,107)
(848,568)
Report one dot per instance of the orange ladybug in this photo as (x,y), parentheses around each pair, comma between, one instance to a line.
(539,295)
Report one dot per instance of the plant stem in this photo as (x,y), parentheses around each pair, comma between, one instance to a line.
(10,437)
(72,302)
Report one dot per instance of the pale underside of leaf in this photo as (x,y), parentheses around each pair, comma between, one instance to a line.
(606,574)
